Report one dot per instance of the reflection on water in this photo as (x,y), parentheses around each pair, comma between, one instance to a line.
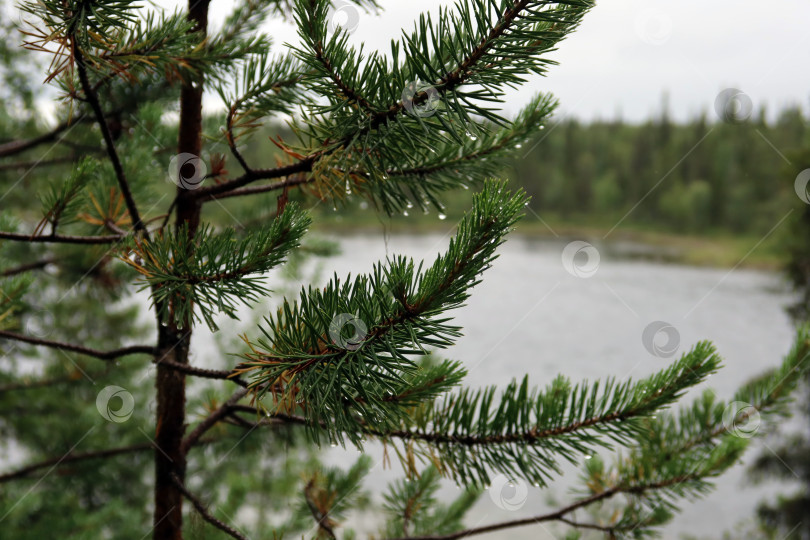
(530,315)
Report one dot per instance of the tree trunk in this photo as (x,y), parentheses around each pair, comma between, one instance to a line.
(174,343)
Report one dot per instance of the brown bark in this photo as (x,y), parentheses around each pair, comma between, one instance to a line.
(174,343)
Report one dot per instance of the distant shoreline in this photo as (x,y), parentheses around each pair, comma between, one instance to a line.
(718,250)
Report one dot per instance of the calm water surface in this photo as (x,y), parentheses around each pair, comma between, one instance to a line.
(530,315)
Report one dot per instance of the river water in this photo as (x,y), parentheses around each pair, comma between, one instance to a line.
(531,315)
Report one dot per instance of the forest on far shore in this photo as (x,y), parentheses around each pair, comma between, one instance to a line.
(695,177)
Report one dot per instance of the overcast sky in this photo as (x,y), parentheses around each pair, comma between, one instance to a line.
(628,53)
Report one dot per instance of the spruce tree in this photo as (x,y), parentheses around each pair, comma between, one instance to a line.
(348,363)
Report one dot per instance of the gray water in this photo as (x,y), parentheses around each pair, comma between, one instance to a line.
(530,315)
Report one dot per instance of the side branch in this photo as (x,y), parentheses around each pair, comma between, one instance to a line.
(211,420)
(123,184)
(60,238)
(558,515)
(201,372)
(296,180)
(203,511)
(36,265)
(73,458)
(211,192)
(17,147)
(64,346)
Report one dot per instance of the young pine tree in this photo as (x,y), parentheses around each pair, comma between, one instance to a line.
(346,364)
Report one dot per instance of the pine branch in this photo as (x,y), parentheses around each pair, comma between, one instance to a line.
(203,511)
(682,452)
(402,308)
(524,432)
(384,125)
(214,271)
(331,493)
(95,353)
(61,202)
(325,525)
(434,169)
(413,507)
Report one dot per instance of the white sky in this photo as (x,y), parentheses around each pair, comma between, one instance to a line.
(628,53)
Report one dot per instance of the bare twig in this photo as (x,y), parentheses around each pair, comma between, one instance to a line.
(95,353)
(16,147)
(211,420)
(210,192)
(325,524)
(73,458)
(38,383)
(123,184)
(36,265)
(203,373)
(59,238)
(27,165)
(557,515)
(275,186)
(203,511)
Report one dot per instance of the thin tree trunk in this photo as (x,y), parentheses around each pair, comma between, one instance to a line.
(174,343)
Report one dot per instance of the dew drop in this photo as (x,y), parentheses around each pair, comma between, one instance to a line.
(518,146)
(405,213)
(442,217)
